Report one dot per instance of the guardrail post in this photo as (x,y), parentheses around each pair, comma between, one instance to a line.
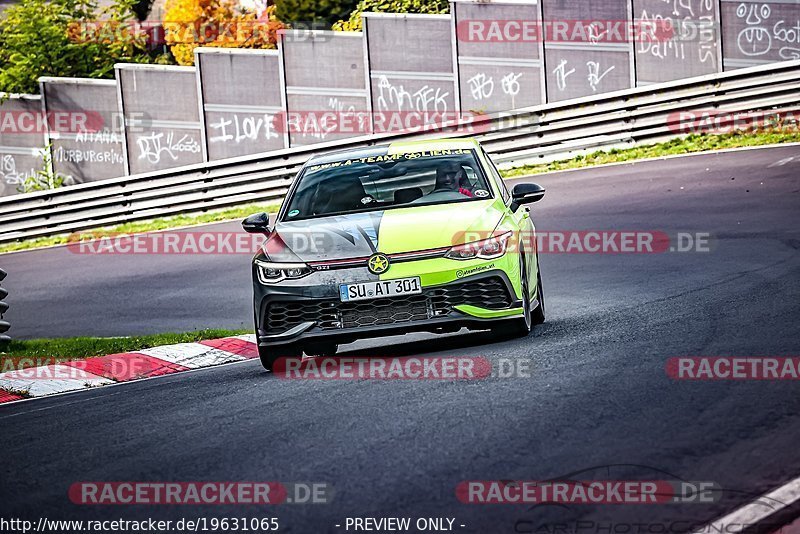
(4,325)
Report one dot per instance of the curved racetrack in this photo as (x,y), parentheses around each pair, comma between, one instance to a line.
(598,403)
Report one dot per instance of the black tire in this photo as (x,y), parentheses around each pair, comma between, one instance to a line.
(271,353)
(537,315)
(519,326)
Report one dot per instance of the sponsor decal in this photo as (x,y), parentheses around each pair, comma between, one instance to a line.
(378,263)
(461,273)
(388,157)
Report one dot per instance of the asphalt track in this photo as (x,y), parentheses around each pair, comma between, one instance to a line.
(597,405)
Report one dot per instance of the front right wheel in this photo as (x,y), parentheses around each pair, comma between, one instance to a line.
(537,315)
(518,326)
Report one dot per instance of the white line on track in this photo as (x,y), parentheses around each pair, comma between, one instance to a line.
(757,511)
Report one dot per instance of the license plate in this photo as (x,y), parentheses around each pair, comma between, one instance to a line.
(380,290)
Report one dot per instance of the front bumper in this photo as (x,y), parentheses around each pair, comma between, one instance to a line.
(287,313)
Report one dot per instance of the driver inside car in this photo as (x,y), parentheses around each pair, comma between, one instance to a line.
(451,177)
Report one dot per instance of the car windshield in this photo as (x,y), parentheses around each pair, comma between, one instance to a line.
(388,181)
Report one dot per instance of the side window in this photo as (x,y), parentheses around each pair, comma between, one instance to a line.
(499,179)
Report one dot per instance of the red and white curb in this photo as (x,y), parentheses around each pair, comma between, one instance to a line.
(114,368)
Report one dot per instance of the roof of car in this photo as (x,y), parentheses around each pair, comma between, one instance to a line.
(376,150)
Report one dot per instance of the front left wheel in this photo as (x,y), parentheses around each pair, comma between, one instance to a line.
(272,353)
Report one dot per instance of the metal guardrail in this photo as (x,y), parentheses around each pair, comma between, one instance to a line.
(541,133)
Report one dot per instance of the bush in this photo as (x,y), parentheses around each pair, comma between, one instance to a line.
(391,6)
(314,11)
(47,38)
(220,23)
(45,178)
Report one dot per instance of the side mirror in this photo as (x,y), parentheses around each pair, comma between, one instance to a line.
(256,224)
(526,194)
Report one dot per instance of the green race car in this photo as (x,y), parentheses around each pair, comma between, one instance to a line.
(385,240)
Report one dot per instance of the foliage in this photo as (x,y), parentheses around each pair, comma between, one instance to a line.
(312,12)
(219,23)
(391,6)
(63,38)
(141,8)
(45,178)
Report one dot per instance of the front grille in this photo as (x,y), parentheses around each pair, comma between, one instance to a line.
(488,293)
(436,302)
(384,311)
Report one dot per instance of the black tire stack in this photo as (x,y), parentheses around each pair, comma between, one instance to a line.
(4,326)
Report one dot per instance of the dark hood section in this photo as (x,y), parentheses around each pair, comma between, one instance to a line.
(331,238)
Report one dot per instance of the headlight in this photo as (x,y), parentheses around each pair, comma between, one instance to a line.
(488,249)
(270,273)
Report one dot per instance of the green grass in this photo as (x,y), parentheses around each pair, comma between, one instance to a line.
(684,145)
(177,221)
(34,352)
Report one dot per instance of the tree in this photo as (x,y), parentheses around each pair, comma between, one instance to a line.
(353,23)
(53,38)
(313,12)
(221,23)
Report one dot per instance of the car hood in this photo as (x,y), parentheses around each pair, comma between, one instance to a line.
(360,235)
